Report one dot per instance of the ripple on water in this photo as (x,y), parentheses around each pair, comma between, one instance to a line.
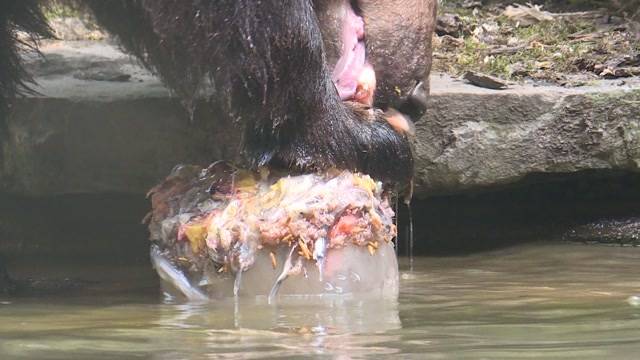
(544,301)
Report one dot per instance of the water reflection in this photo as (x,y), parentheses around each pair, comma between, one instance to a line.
(227,329)
(295,326)
(544,302)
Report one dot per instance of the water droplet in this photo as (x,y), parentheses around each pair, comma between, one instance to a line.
(410,235)
(407,276)
(237,283)
(633,300)
(328,286)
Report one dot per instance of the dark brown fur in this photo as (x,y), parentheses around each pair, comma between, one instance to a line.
(15,16)
(267,62)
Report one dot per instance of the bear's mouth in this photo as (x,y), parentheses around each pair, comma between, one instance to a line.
(353,76)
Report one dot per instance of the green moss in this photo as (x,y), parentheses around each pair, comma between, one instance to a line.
(553,32)
(616,99)
(58,9)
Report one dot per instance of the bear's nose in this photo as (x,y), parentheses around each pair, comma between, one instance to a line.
(415,104)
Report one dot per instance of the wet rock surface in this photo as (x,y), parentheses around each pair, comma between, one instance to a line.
(608,231)
(35,287)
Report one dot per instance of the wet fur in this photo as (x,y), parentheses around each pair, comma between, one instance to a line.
(24,16)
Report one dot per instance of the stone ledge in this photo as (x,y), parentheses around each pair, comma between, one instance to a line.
(91,70)
(103,124)
(475,138)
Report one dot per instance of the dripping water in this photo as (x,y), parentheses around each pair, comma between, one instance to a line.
(407,201)
(395,242)
(319,255)
(237,283)
(189,104)
(410,236)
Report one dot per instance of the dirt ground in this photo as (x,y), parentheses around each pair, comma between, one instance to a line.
(568,43)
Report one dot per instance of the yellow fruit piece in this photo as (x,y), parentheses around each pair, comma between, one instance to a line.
(273,197)
(196,234)
(245,181)
(365,182)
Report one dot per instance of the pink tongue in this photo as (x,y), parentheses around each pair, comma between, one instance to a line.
(352,61)
(347,71)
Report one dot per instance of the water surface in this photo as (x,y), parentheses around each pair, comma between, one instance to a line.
(537,301)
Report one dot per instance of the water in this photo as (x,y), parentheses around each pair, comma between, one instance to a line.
(540,301)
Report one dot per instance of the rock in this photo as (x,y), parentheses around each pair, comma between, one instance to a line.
(623,72)
(527,14)
(621,67)
(627,60)
(616,231)
(472,138)
(103,75)
(471,4)
(449,24)
(85,135)
(37,287)
(485,81)
(73,28)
